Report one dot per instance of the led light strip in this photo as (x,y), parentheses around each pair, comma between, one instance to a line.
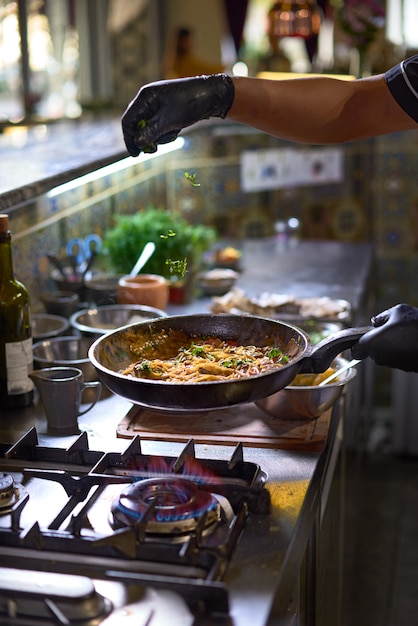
(115,167)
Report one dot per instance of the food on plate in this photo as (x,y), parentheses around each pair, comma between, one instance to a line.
(227,255)
(219,273)
(280,305)
(174,356)
(311,380)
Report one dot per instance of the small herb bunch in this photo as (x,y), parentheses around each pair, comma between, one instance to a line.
(360,20)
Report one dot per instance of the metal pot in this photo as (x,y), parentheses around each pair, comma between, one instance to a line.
(111,353)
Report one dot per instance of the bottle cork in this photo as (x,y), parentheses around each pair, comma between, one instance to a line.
(4,223)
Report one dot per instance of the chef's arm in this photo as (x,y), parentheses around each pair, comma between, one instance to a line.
(315,109)
(318,110)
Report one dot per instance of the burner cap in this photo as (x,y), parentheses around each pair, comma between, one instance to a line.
(169,505)
(10,493)
(6,485)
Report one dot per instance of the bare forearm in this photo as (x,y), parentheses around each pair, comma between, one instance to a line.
(318,110)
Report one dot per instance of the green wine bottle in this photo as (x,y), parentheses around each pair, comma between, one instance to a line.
(16,360)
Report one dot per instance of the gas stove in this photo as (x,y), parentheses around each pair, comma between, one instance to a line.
(92,537)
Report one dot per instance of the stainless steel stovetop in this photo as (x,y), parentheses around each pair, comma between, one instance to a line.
(90,537)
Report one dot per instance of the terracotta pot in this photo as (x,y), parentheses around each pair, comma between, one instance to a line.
(149,289)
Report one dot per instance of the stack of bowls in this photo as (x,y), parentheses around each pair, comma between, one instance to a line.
(46,326)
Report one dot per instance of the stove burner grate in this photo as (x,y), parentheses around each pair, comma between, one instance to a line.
(67,529)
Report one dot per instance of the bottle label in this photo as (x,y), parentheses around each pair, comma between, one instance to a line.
(19,362)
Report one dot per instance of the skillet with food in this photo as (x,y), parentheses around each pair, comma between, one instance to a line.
(124,359)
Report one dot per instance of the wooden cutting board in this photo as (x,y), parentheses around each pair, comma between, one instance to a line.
(245,423)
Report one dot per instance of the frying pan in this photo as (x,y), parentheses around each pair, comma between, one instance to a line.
(110,354)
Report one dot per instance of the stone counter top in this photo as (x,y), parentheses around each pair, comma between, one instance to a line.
(38,158)
(305,269)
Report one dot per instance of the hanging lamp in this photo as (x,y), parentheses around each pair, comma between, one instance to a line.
(296,18)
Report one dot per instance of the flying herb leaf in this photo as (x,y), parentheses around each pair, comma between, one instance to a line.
(192,179)
(170,233)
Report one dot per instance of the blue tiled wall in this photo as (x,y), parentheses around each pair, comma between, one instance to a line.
(377,199)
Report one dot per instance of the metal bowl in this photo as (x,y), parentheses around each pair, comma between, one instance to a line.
(67,352)
(62,303)
(217,281)
(102,288)
(98,321)
(45,326)
(310,402)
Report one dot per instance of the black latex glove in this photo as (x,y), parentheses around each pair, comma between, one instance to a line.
(394,340)
(161,110)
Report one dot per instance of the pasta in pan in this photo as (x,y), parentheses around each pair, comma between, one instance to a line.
(173,356)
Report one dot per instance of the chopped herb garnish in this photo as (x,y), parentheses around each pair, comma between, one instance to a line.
(192,179)
(144,366)
(197,351)
(178,267)
(277,355)
(232,363)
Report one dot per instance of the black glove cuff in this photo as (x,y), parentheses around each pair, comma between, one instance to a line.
(225,93)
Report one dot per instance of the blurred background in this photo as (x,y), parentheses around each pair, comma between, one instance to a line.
(59,57)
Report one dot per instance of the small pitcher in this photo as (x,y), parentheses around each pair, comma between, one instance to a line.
(61,390)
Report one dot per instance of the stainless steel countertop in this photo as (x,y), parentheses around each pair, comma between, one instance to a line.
(297,481)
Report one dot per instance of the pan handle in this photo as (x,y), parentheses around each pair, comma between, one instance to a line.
(322,354)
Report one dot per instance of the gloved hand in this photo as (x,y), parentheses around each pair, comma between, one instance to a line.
(161,110)
(394,340)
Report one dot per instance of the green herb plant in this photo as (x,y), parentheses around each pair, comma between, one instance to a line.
(179,245)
